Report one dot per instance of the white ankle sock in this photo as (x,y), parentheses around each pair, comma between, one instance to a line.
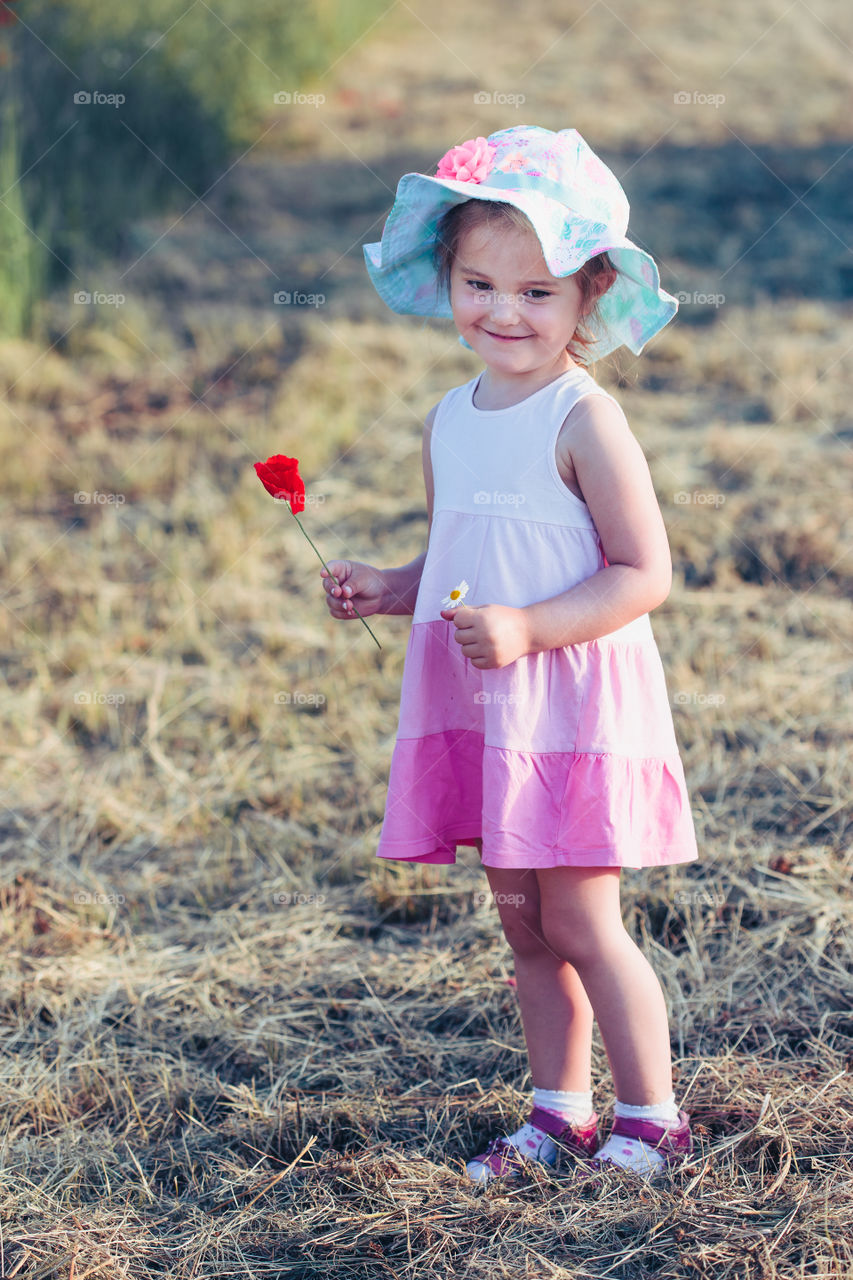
(665,1111)
(572,1106)
(633,1153)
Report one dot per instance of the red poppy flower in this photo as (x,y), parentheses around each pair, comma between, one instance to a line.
(280,477)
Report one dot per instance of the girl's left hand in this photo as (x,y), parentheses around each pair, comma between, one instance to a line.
(491,635)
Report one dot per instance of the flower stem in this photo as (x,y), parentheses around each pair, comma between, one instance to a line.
(326,567)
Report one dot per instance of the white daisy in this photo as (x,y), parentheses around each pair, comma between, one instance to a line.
(456,596)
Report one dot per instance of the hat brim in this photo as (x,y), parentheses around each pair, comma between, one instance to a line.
(401,269)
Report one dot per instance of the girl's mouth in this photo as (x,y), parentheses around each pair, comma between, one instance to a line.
(500,337)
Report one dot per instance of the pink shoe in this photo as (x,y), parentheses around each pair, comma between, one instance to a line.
(502,1159)
(675,1143)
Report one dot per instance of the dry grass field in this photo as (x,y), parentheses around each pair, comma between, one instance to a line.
(235,1045)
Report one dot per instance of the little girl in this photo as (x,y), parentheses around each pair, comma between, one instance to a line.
(534,717)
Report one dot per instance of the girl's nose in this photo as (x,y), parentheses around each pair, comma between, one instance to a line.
(504,308)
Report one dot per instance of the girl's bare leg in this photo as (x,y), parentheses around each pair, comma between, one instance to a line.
(581,922)
(555,1010)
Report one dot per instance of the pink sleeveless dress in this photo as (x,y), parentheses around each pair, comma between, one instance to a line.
(564,757)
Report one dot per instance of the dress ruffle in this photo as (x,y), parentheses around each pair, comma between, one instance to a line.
(561,758)
(567,808)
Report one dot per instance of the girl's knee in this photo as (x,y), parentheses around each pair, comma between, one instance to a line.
(582,943)
(568,944)
(521,923)
(516,895)
(581,915)
(525,938)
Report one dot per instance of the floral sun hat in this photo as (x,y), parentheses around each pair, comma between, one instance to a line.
(577,208)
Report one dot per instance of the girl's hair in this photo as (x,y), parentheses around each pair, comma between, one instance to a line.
(595,277)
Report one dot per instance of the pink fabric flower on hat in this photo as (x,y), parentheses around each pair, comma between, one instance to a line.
(471,161)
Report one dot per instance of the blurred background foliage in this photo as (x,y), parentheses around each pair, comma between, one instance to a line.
(197,81)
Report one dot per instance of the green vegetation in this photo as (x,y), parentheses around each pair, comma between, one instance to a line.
(185,90)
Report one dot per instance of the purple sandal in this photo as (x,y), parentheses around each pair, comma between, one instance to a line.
(674,1143)
(505,1160)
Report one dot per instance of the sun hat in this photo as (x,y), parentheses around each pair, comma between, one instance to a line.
(575,204)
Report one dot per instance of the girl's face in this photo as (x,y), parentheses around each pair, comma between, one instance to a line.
(508,306)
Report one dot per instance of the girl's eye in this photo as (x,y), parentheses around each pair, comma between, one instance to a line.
(479,286)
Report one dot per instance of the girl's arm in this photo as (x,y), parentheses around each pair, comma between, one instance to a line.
(401,587)
(617,487)
(402,584)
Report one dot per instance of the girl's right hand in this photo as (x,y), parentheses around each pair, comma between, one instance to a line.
(361,585)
